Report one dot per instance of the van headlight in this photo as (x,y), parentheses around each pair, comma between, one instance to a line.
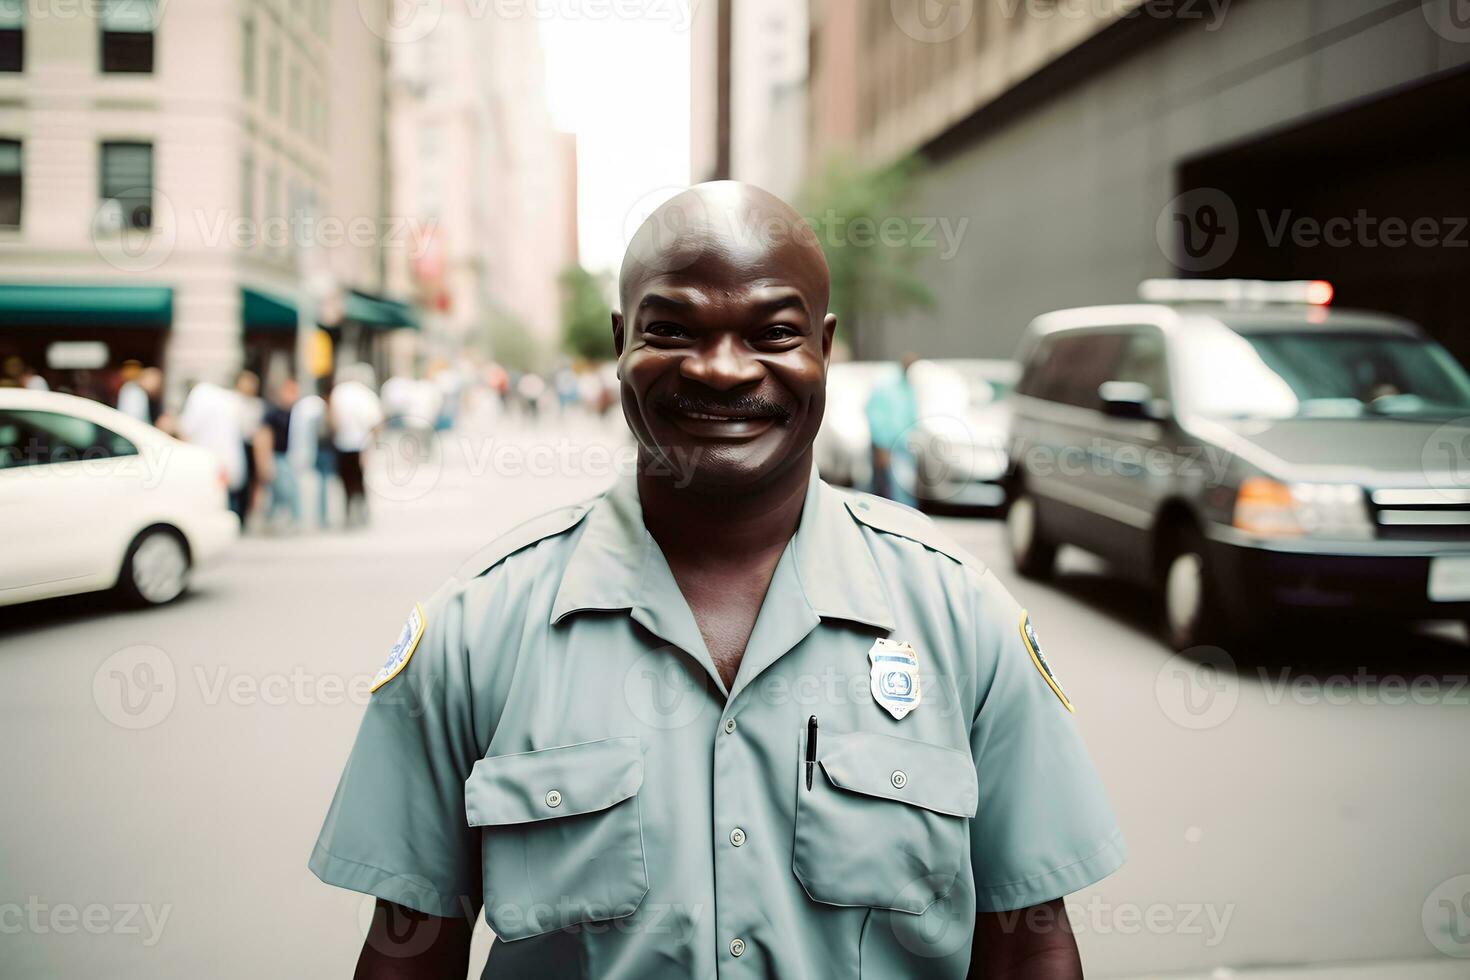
(1269,508)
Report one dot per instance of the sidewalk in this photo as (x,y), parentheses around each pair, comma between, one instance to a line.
(1437,969)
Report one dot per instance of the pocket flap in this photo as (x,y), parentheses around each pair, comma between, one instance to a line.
(557,782)
(934,777)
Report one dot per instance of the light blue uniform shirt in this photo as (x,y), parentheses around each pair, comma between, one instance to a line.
(559,745)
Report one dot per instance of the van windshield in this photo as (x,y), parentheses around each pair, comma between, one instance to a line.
(1279,374)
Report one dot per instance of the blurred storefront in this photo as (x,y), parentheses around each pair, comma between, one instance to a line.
(1089,146)
(162,169)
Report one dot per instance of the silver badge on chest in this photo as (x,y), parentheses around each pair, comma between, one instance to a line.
(895,677)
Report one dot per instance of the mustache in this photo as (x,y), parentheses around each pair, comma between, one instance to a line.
(749,405)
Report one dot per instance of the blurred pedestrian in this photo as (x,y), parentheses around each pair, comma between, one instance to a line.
(355,412)
(892,412)
(211,419)
(530,388)
(325,458)
(250,419)
(142,396)
(284,487)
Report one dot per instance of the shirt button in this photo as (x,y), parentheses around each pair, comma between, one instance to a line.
(737,837)
(553,799)
(729,726)
(899,779)
(737,946)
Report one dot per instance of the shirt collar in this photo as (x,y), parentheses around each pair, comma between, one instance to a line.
(616,564)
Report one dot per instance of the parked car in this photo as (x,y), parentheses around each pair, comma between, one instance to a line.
(1246,450)
(92,499)
(842,448)
(959,444)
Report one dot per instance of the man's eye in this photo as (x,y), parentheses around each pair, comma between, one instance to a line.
(666,330)
(779,332)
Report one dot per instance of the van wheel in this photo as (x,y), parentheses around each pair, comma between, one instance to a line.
(1193,615)
(156,569)
(1032,552)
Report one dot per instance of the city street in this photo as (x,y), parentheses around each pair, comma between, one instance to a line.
(168,770)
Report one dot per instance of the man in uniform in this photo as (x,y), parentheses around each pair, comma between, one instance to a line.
(722,720)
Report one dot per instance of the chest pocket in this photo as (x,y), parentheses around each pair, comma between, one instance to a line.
(562,837)
(885,823)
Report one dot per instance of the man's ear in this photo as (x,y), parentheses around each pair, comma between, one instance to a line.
(617,329)
(829,327)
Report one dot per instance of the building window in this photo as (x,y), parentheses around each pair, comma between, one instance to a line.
(127,34)
(127,178)
(247,56)
(273,77)
(10,183)
(12,35)
(293,99)
(247,200)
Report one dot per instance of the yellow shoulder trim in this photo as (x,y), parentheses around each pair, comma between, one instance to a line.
(1041,664)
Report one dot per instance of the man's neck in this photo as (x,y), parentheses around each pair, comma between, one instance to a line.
(719,527)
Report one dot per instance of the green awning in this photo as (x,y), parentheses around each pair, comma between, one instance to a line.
(86,306)
(376,312)
(266,311)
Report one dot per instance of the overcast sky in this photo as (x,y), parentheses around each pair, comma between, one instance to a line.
(622,85)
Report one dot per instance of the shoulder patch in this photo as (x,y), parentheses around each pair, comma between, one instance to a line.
(403,648)
(894,518)
(1033,647)
(523,536)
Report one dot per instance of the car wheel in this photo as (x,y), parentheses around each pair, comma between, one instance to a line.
(1191,604)
(1032,552)
(156,569)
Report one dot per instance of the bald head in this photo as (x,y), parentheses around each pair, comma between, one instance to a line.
(721,230)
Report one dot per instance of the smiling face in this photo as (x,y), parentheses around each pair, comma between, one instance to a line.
(724,338)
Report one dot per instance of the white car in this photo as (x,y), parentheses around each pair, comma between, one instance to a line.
(93,499)
(843,448)
(960,444)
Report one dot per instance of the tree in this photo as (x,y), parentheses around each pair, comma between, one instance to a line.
(586,324)
(859,216)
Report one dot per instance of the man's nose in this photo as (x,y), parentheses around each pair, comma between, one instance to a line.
(722,365)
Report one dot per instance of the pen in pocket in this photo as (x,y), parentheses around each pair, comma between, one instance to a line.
(811,748)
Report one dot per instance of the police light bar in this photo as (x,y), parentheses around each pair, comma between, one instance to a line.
(1236,292)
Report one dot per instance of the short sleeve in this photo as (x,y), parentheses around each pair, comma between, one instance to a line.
(396,827)
(1043,828)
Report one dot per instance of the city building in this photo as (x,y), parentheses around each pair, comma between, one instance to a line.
(1080,147)
(480,170)
(172,174)
(748,93)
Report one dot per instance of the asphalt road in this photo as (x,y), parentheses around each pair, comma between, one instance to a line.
(166,771)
